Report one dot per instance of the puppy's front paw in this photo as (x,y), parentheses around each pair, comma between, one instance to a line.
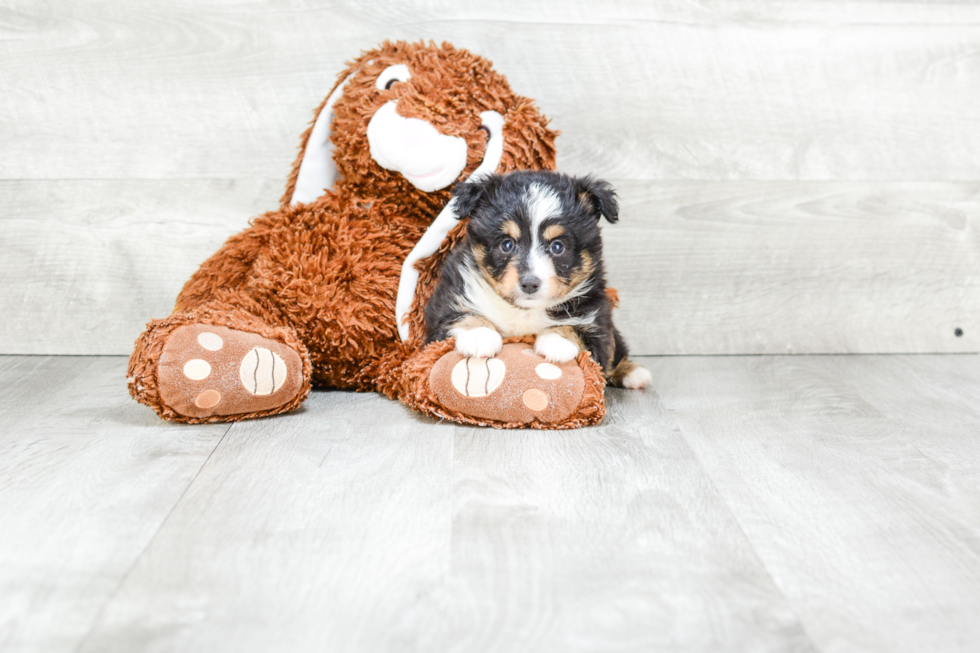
(555,348)
(481,342)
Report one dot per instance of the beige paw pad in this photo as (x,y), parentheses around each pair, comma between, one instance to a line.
(197,369)
(210,341)
(514,387)
(210,371)
(548,371)
(262,371)
(208,399)
(478,377)
(535,399)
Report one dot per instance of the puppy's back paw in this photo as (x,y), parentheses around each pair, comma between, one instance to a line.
(630,375)
(638,379)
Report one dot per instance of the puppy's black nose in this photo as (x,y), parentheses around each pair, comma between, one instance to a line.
(530,284)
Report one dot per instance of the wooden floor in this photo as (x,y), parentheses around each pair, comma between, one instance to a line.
(809,503)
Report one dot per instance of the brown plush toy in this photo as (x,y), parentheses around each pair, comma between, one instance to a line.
(330,289)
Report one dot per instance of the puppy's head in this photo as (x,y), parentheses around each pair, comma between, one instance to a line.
(534,236)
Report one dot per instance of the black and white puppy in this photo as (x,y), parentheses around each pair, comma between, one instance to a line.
(531,263)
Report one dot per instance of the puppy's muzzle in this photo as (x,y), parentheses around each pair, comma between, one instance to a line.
(530,284)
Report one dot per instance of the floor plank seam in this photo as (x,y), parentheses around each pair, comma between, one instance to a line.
(452,503)
(741,529)
(149,543)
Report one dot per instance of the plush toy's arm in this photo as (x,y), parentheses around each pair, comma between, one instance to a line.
(226,268)
(437,231)
(427,246)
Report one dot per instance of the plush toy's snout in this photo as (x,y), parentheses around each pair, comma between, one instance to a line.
(407,128)
(429,160)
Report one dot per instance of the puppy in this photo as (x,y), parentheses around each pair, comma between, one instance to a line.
(531,263)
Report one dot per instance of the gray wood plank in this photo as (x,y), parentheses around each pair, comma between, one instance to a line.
(873,537)
(87,263)
(939,454)
(702,267)
(749,503)
(790,267)
(87,477)
(329,530)
(667,90)
(316,530)
(603,539)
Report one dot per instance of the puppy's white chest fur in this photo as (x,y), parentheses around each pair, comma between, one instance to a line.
(480,299)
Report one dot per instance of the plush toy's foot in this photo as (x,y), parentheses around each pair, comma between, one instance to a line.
(516,388)
(208,371)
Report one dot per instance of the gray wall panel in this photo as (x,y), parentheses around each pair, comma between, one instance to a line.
(787,166)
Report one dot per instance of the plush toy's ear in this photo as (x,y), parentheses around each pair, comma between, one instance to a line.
(469,193)
(317,172)
(598,197)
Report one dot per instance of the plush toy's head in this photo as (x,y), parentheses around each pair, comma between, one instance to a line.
(407,121)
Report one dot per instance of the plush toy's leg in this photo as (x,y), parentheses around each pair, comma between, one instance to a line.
(515,389)
(215,364)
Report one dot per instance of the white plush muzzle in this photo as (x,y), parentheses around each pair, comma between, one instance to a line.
(429,160)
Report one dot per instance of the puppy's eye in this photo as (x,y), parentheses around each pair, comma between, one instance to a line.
(391,82)
(486,130)
(557,247)
(507,245)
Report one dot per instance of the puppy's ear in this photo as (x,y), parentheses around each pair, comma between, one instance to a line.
(469,193)
(598,197)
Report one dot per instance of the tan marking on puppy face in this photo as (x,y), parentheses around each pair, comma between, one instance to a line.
(559,287)
(506,285)
(512,229)
(552,231)
(479,254)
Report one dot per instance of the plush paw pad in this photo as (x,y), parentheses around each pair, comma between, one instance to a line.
(478,377)
(555,348)
(516,386)
(207,371)
(262,372)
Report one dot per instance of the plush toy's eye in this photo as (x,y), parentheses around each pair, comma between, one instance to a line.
(484,128)
(507,245)
(557,247)
(391,75)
